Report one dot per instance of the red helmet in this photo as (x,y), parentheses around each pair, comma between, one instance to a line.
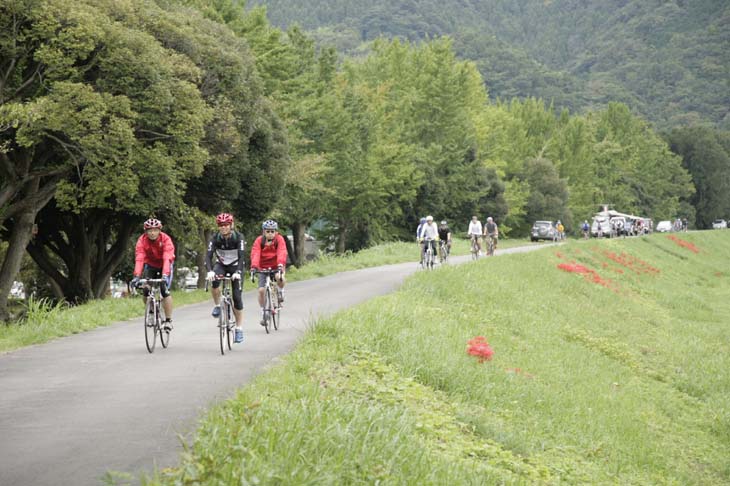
(152,223)
(224,218)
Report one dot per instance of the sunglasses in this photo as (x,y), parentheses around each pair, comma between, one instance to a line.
(269,231)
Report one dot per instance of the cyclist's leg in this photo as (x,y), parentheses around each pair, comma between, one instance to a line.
(261,288)
(215,290)
(281,282)
(149,272)
(166,296)
(237,303)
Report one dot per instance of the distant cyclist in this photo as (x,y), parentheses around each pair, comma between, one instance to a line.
(429,236)
(445,238)
(421,224)
(491,232)
(227,248)
(269,251)
(586,228)
(475,232)
(154,257)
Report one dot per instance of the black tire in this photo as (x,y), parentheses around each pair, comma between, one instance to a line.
(231,328)
(223,328)
(267,310)
(164,335)
(150,333)
(276,316)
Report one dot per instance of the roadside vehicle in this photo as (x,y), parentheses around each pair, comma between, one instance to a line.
(663,227)
(719,224)
(543,230)
(601,227)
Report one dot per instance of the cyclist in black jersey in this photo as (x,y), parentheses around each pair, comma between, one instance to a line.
(445,238)
(228,248)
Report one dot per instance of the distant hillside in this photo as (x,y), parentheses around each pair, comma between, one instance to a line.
(668,60)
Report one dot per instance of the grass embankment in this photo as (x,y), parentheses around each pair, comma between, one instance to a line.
(44,322)
(612,370)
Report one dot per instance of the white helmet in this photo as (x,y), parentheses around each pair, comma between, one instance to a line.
(429,218)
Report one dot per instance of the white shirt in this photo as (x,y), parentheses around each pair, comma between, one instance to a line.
(430,231)
(475,228)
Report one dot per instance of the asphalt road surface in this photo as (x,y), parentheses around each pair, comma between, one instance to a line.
(73,409)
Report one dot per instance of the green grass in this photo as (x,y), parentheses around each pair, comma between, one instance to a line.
(620,376)
(45,322)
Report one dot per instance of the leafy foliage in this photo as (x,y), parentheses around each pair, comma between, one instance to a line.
(667,60)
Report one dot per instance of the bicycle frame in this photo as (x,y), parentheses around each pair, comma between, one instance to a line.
(153,303)
(272,309)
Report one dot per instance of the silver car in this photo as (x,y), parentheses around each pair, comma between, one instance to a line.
(543,230)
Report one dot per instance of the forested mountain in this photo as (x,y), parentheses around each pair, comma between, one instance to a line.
(668,60)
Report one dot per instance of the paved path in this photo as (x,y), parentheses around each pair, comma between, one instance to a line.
(77,407)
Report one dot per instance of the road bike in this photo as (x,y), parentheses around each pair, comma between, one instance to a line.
(272,298)
(226,319)
(152,314)
(428,256)
(474,247)
(490,245)
(444,251)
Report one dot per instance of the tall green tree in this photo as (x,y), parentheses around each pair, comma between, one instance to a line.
(705,154)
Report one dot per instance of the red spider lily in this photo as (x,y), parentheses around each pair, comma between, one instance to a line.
(630,262)
(683,243)
(589,274)
(480,348)
(574,268)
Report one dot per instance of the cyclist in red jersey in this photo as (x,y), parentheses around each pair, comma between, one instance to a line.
(269,251)
(154,257)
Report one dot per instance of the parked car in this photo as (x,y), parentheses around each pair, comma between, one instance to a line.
(663,227)
(719,224)
(543,230)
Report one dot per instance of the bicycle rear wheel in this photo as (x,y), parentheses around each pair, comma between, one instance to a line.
(276,311)
(150,333)
(223,327)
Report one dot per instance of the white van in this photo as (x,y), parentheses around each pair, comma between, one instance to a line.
(602,223)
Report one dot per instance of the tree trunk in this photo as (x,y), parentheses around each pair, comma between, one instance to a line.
(341,237)
(298,257)
(76,255)
(19,238)
(34,197)
(205,236)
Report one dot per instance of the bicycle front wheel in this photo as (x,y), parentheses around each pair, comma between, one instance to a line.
(267,309)
(164,335)
(223,327)
(231,327)
(150,333)
(276,312)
